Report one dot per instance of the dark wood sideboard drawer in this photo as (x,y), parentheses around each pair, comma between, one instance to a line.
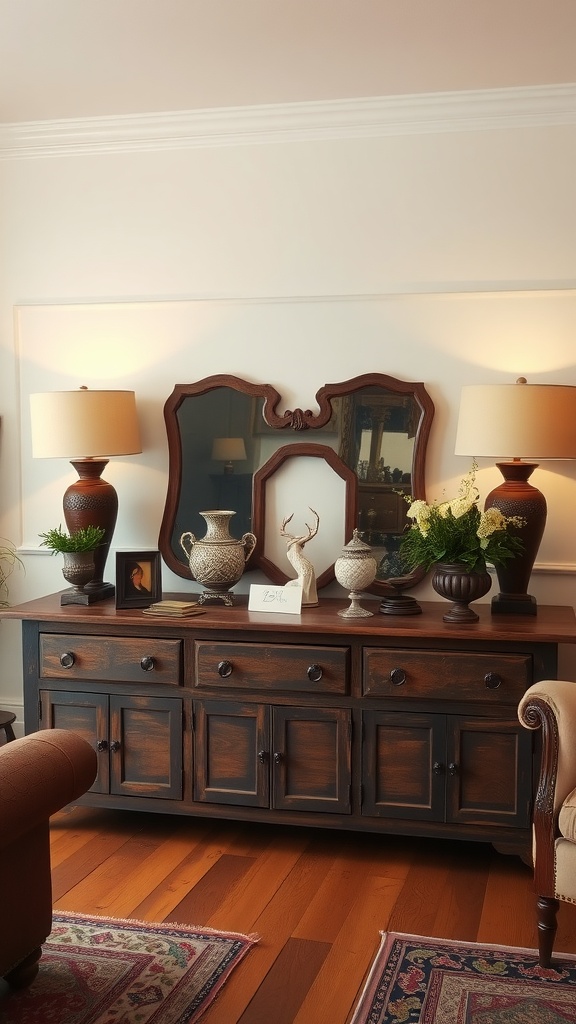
(274,667)
(448,675)
(121,659)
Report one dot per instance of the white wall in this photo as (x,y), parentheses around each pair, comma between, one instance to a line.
(442,256)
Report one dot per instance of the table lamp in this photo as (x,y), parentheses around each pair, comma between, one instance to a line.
(86,427)
(228,450)
(518,421)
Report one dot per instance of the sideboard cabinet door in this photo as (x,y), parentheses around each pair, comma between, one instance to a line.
(489,771)
(311,759)
(446,768)
(146,746)
(403,759)
(86,714)
(281,757)
(231,753)
(138,740)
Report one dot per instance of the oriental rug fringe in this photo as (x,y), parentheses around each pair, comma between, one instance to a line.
(95,970)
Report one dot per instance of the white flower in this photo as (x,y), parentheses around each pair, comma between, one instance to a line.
(491,520)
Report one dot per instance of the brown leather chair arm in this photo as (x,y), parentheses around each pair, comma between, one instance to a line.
(39,774)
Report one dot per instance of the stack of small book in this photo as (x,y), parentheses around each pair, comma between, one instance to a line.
(174,609)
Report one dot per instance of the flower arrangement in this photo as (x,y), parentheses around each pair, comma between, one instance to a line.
(458,531)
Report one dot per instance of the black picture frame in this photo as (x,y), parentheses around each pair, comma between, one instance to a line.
(127,596)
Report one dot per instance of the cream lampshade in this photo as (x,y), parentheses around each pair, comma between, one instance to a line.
(86,427)
(228,450)
(518,421)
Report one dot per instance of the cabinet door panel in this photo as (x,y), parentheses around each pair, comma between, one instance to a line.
(311,759)
(232,753)
(86,714)
(146,746)
(404,765)
(490,778)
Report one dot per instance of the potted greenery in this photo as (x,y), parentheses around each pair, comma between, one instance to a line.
(457,539)
(78,548)
(9,560)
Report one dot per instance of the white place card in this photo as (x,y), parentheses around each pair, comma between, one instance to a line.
(268,598)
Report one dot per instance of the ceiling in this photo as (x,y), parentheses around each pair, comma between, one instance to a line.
(88,58)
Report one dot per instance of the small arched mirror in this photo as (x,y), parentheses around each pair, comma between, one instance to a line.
(223,431)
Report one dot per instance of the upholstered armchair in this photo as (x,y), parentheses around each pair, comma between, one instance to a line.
(551,707)
(39,774)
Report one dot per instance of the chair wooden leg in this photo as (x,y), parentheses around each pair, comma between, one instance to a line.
(547,908)
(24,974)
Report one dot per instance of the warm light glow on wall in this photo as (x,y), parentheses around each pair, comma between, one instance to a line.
(110,341)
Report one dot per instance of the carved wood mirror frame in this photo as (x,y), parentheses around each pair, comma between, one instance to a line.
(407,399)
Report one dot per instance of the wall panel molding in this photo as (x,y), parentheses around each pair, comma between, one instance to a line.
(371,117)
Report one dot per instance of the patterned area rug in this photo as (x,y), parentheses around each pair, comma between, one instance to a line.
(415,979)
(96,969)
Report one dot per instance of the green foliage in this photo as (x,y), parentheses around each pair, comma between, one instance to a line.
(9,561)
(86,539)
(458,532)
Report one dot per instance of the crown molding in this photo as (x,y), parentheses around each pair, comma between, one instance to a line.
(365,118)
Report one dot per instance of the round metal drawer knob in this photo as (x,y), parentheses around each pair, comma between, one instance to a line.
(147,663)
(67,659)
(397,676)
(225,669)
(314,673)
(492,680)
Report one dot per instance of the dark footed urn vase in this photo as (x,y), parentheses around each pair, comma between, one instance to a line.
(460,585)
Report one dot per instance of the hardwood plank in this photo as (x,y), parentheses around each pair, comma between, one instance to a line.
(462,897)
(286,984)
(202,854)
(116,884)
(508,916)
(200,905)
(247,900)
(275,925)
(335,990)
(350,865)
(421,893)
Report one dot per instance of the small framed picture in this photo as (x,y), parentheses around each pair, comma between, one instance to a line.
(138,578)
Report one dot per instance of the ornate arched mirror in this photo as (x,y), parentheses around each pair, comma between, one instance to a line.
(224,436)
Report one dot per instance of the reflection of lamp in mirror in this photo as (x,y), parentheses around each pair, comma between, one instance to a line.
(534,420)
(87,426)
(228,450)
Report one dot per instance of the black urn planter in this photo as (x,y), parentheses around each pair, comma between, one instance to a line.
(460,585)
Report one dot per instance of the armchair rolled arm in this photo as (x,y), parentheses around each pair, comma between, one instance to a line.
(39,774)
(550,706)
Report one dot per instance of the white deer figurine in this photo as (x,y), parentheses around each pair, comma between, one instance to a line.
(306,575)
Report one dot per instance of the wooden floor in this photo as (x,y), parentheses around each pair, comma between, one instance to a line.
(317,898)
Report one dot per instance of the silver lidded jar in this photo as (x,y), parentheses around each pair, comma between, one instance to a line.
(355,570)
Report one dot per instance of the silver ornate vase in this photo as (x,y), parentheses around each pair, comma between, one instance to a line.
(355,570)
(217,561)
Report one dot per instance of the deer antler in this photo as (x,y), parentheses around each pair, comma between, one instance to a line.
(312,531)
(284,525)
(301,541)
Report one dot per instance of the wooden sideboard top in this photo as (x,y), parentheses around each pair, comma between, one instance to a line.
(552,624)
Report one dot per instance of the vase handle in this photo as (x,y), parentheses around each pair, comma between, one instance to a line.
(192,539)
(248,543)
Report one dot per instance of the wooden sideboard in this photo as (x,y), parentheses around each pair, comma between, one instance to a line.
(386,724)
